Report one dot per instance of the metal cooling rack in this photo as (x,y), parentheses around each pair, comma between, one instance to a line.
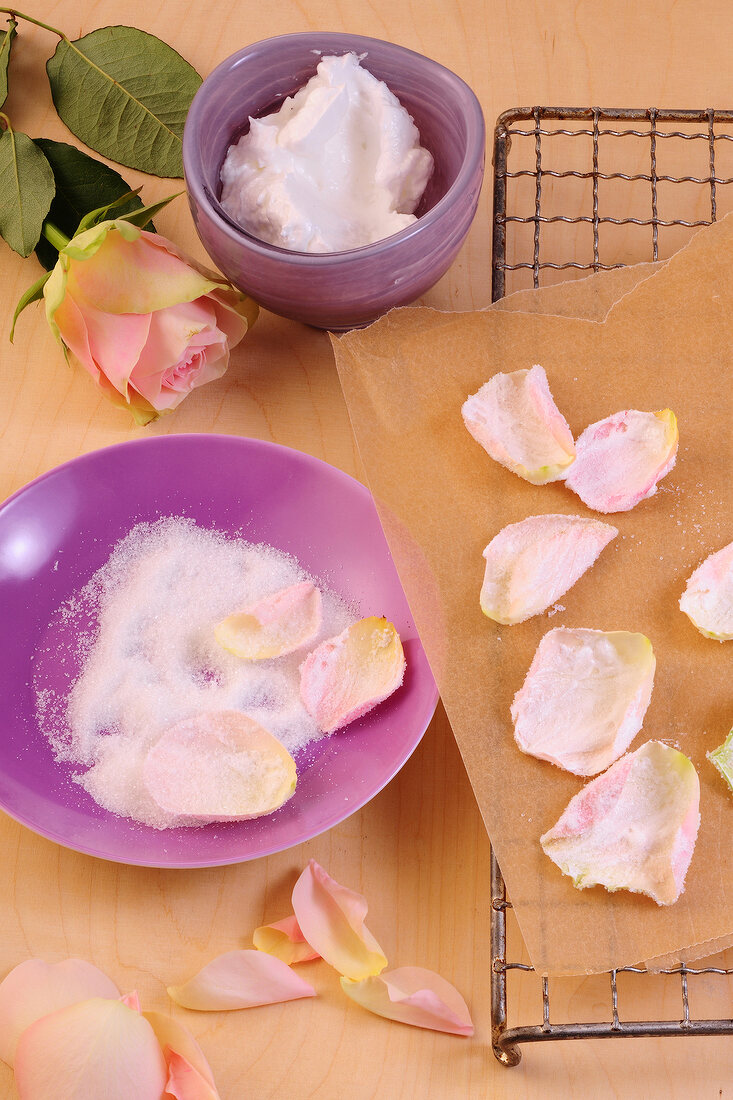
(666,172)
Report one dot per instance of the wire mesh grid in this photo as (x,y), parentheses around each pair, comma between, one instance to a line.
(634,184)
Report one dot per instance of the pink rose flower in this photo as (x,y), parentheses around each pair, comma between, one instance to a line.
(146,322)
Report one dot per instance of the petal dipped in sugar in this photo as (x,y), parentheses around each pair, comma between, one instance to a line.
(219,766)
(722,758)
(175,1039)
(346,676)
(412,995)
(515,419)
(240,979)
(93,1049)
(532,563)
(584,698)
(36,988)
(285,940)
(620,460)
(331,918)
(708,599)
(276,625)
(632,828)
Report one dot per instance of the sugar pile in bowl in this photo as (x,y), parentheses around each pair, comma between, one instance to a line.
(145,656)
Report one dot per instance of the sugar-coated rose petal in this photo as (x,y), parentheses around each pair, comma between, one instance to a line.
(515,419)
(584,698)
(184,1080)
(36,988)
(241,979)
(620,459)
(275,625)
(219,766)
(174,1037)
(532,563)
(412,995)
(285,941)
(344,677)
(708,599)
(632,828)
(88,1051)
(722,758)
(331,918)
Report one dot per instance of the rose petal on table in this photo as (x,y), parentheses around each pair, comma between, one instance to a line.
(516,421)
(285,940)
(331,918)
(92,1049)
(722,759)
(620,460)
(531,564)
(174,1037)
(219,766)
(632,828)
(36,988)
(132,1000)
(346,676)
(240,979)
(276,625)
(412,995)
(584,698)
(184,1080)
(708,598)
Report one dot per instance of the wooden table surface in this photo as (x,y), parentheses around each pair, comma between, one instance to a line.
(418,851)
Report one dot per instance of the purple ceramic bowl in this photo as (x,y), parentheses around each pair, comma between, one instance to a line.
(57,531)
(337,290)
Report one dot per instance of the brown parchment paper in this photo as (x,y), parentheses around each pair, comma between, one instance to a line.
(666,342)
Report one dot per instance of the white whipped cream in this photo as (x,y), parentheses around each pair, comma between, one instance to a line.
(338,166)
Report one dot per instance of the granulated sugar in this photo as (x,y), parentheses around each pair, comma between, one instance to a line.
(143,630)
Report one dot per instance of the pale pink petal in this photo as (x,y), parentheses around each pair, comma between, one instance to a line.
(346,676)
(35,988)
(93,1050)
(219,766)
(515,419)
(73,332)
(276,625)
(132,1000)
(331,917)
(632,828)
(619,460)
(241,979)
(584,698)
(173,1036)
(531,564)
(285,940)
(184,1080)
(412,995)
(115,342)
(708,599)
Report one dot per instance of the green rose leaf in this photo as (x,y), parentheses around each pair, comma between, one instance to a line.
(126,94)
(32,294)
(26,191)
(6,41)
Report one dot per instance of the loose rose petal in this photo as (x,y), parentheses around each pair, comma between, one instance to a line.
(708,599)
(131,1000)
(184,1080)
(276,625)
(36,988)
(219,766)
(722,758)
(515,419)
(174,1037)
(532,563)
(331,918)
(632,828)
(92,1049)
(412,995)
(620,459)
(241,979)
(584,699)
(285,941)
(346,676)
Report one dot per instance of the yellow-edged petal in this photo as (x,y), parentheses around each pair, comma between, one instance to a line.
(276,625)
(240,979)
(285,940)
(413,995)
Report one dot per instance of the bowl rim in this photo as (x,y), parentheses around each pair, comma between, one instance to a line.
(193,169)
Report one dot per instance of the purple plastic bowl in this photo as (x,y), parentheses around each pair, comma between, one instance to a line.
(336,290)
(58,530)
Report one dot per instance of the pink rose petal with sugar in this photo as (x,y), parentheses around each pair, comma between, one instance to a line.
(240,979)
(708,598)
(346,676)
(620,460)
(632,828)
(516,421)
(89,1050)
(331,918)
(412,995)
(531,564)
(276,625)
(36,988)
(285,940)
